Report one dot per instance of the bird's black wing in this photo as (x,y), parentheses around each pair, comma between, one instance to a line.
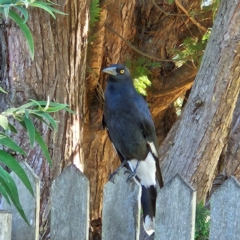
(148,130)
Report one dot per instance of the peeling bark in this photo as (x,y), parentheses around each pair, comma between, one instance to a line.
(196,141)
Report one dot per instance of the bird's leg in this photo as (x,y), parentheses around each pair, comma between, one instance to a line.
(117,170)
(133,173)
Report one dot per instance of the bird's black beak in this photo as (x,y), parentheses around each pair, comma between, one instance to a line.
(110,70)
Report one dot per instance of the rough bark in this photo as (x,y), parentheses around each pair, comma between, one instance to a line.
(196,141)
(125,29)
(57,71)
(232,154)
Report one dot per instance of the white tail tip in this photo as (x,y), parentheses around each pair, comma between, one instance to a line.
(149,225)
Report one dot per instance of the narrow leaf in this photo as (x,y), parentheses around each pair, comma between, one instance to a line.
(43,146)
(42,120)
(30,129)
(48,117)
(2,90)
(8,142)
(44,7)
(3,122)
(12,163)
(26,31)
(56,109)
(57,11)
(6,10)
(11,189)
(12,128)
(4,193)
(23,11)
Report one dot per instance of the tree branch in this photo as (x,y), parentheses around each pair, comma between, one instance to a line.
(139,51)
(167,13)
(190,17)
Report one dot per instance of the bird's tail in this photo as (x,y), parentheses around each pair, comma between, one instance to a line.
(148,200)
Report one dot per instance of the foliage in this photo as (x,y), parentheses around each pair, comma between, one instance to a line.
(202,222)
(192,49)
(94,12)
(14,9)
(140,73)
(24,115)
(211,5)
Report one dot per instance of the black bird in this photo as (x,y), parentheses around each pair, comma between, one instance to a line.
(131,130)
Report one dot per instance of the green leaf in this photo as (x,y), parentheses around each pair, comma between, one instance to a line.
(8,142)
(23,11)
(42,120)
(3,122)
(10,187)
(44,7)
(48,117)
(2,90)
(60,106)
(41,143)
(26,31)
(6,10)
(30,129)
(56,109)
(43,146)
(26,105)
(56,11)
(12,128)
(4,193)
(9,111)
(47,7)
(12,163)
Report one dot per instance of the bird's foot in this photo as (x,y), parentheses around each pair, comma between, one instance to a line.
(133,173)
(111,177)
(116,171)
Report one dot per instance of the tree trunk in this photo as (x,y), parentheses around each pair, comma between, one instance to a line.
(57,71)
(232,154)
(194,145)
(126,31)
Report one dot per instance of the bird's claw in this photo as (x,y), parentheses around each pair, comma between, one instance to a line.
(112,176)
(131,175)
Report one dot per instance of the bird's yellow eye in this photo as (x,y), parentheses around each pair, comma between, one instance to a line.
(122,71)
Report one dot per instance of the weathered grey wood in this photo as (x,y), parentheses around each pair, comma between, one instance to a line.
(225,211)
(70,206)
(30,204)
(175,211)
(5,225)
(121,208)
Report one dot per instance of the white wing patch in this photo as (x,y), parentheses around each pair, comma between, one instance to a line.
(153,149)
(146,170)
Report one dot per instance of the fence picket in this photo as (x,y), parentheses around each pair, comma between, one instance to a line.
(175,216)
(5,225)
(30,204)
(70,205)
(225,211)
(175,211)
(121,208)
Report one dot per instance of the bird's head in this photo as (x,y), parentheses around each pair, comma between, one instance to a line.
(117,72)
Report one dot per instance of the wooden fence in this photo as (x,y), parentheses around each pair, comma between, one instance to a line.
(175,217)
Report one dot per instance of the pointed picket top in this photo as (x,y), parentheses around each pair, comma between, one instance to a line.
(121,208)
(70,205)
(175,210)
(225,211)
(30,204)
